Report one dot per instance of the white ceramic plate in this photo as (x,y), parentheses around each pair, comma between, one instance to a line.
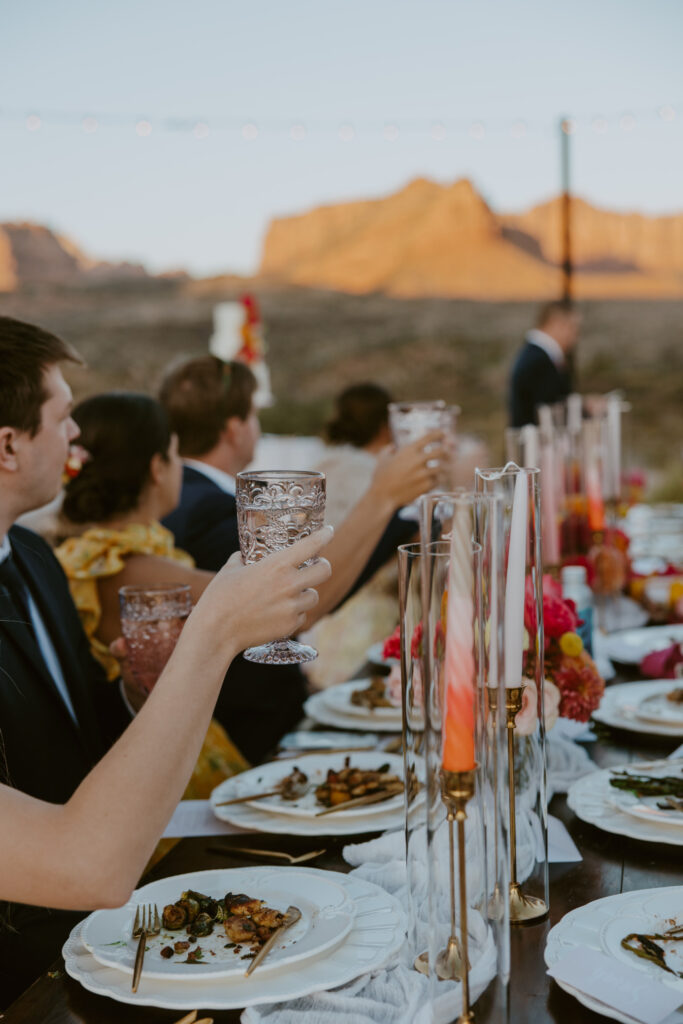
(620,706)
(602,924)
(630,646)
(315,766)
(645,807)
(658,708)
(338,700)
(593,800)
(620,613)
(317,708)
(376,936)
(327,916)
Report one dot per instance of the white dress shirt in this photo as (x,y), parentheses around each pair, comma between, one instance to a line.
(548,344)
(43,640)
(221,479)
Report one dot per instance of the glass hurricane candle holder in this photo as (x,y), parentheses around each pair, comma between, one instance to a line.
(275,508)
(525,689)
(414,740)
(465,604)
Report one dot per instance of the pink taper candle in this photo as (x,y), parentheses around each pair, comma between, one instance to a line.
(459,667)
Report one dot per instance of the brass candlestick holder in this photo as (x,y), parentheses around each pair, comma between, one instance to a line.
(496,906)
(523,909)
(452,963)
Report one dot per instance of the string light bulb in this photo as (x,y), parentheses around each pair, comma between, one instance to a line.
(143,129)
(33,123)
(249,131)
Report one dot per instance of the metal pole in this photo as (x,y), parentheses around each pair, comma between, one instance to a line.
(566,129)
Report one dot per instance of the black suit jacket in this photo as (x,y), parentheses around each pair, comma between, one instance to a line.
(257,703)
(535,380)
(44,752)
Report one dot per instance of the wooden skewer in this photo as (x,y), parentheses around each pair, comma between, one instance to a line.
(246,799)
(360,801)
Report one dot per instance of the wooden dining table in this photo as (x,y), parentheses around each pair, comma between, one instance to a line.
(611,864)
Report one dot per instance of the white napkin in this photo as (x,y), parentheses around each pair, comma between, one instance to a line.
(195,818)
(566,762)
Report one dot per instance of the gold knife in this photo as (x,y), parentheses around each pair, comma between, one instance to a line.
(291,917)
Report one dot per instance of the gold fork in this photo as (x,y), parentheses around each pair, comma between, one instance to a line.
(146,923)
(277,854)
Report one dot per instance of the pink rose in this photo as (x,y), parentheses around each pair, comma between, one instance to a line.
(392,686)
(527,718)
(551,703)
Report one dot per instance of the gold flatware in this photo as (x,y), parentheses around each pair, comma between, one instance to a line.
(191,1018)
(301,859)
(291,917)
(146,923)
(246,799)
(361,801)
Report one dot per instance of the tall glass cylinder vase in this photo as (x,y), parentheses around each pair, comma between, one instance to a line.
(463,750)
(523,674)
(413,729)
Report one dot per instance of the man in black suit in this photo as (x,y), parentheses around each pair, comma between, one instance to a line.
(58,715)
(210,407)
(542,372)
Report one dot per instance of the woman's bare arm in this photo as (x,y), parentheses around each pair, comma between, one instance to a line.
(90,852)
(401,476)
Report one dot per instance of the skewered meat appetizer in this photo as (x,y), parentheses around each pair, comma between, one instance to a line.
(675,696)
(372,696)
(293,785)
(350,782)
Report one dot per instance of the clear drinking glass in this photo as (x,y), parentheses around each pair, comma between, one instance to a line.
(409,421)
(152,618)
(275,508)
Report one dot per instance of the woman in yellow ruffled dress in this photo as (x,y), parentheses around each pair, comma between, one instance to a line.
(130,479)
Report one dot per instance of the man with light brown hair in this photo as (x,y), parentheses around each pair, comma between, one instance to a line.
(210,407)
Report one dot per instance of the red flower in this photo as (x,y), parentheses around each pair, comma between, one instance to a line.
(559,616)
(392,645)
(580,686)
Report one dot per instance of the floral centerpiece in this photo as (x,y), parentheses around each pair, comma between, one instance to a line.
(573,685)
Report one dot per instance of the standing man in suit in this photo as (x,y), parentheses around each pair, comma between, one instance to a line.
(542,371)
(58,715)
(210,407)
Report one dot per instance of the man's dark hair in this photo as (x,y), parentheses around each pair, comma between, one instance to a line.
(558,307)
(26,352)
(121,431)
(360,413)
(200,395)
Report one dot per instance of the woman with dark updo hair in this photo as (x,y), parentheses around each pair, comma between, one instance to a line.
(130,479)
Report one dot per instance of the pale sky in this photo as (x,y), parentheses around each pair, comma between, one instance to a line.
(411,84)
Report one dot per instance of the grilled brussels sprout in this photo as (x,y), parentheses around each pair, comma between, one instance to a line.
(191,908)
(174,916)
(201,926)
